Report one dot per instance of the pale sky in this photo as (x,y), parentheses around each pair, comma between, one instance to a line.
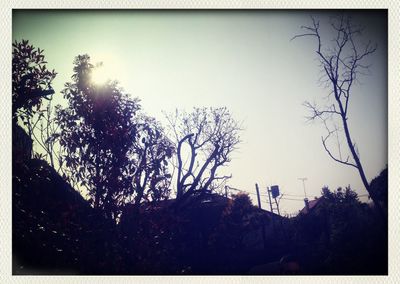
(243,60)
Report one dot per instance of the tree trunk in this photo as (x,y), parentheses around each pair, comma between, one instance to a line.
(360,168)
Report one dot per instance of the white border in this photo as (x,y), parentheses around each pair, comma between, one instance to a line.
(6,7)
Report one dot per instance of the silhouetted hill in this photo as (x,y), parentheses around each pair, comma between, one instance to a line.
(54,229)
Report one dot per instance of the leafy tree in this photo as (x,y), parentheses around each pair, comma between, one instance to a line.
(341,235)
(31,82)
(115,156)
(237,220)
(342,62)
(379,188)
(205,138)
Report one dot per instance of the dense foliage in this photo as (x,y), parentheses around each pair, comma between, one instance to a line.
(341,235)
(117,156)
(237,219)
(31,80)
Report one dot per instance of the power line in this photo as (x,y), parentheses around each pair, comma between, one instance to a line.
(294,195)
(265,195)
(292,199)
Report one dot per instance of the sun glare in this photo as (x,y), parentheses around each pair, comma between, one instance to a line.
(101,74)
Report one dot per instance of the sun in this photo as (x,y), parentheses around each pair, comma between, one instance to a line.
(106,68)
(101,74)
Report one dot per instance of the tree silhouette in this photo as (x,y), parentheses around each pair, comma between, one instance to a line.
(342,235)
(108,150)
(149,157)
(237,220)
(379,186)
(205,138)
(47,129)
(31,82)
(342,63)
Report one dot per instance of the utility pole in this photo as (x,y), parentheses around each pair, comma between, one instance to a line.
(258,196)
(226,191)
(304,185)
(272,209)
(262,220)
(270,201)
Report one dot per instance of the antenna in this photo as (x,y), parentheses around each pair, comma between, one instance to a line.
(304,185)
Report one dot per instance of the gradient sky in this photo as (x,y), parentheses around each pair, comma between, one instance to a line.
(243,60)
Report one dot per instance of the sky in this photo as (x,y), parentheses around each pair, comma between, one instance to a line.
(244,60)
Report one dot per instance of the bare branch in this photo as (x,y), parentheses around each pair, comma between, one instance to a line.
(316,113)
(301,35)
(211,135)
(333,157)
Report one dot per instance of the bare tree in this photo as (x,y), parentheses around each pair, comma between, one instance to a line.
(45,133)
(342,62)
(205,139)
